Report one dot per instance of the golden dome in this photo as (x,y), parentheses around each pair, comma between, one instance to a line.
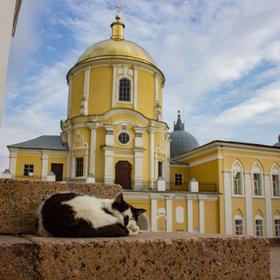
(116,47)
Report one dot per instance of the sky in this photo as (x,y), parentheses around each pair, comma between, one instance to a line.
(221,60)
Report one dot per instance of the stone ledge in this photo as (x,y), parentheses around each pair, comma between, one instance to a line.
(146,256)
(21,199)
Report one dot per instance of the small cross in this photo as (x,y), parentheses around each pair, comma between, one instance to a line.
(118,10)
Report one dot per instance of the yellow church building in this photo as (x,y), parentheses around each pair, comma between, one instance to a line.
(114,133)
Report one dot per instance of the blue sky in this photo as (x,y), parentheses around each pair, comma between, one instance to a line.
(221,59)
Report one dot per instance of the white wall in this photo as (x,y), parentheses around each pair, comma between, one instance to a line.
(7,9)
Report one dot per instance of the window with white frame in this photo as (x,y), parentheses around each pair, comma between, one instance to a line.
(257,184)
(259,226)
(276,185)
(28,170)
(124,90)
(238,223)
(277,226)
(237,188)
(178,179)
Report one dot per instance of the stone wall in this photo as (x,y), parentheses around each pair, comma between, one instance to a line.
(146,256)
(19,201)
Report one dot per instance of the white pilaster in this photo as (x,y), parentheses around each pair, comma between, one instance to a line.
(114,86)
(138,137)
(108,168)
(156,88)
(86,164)
(154,214)
(73,165)
(248,194)
(84,110)
(227,197)
(201,216)
(190,215)
(109,138)
(92,153)
(69,97)
(267,192)
(167,167)
(152,157)
(69,155)
(13,163)
(169,214)
(135,85)
(45,161)
(138,167)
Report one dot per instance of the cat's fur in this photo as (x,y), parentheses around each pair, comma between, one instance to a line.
(73,214)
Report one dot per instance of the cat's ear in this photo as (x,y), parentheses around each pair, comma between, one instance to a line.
(137,211)
(118,198)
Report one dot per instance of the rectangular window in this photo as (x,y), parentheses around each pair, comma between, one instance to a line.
(237,183)
(159,169)
(28,170)
(178,179)
(276,185)
(257,184)
(238,227)
(259,227)
(277,228)
(79,167)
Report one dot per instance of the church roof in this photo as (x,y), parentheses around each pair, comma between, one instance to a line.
(48,142)
(116,47)
(181,140)
(278,143)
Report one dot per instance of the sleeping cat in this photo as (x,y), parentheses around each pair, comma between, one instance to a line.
(73,214)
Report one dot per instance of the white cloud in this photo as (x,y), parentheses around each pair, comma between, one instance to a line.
(205,48)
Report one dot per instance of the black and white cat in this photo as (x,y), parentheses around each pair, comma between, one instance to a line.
(73,214)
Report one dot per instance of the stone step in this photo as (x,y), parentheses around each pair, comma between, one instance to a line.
(145,256)
(21,199)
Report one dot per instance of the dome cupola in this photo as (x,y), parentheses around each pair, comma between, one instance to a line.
(181,141)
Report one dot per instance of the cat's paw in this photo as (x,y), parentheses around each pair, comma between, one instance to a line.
(131,233)
(132,226)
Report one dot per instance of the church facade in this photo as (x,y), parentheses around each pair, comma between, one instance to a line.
(114,133)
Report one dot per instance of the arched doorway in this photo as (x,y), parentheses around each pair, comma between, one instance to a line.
(123,174)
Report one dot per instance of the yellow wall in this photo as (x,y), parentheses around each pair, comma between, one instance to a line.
(34,159)
(76,93)
(146,93)
(179,170)
(212,217)
(100,90)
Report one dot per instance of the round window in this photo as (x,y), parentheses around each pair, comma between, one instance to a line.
(123,138)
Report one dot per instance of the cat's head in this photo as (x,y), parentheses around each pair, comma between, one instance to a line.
(128,211)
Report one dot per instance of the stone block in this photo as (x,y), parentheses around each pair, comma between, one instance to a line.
(20,199)
(16,259)
(152,256)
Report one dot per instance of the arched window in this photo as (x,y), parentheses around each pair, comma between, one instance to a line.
(237,181)
(257,180)
(238,224)
(259,224)
(124,90)
(275,177)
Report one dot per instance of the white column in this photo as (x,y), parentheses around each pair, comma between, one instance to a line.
(69,97)
(169,214)
(135,89)
(108,169)
(167,167)
(152,158)
(156,88)
(248,194)
(154,213)
(73,166)
(45,161)
(190,215)
(201,216)
(13,163)
(227,197)
(92,153)
(114,86)
(86,164)
(138,167)
(267,191)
